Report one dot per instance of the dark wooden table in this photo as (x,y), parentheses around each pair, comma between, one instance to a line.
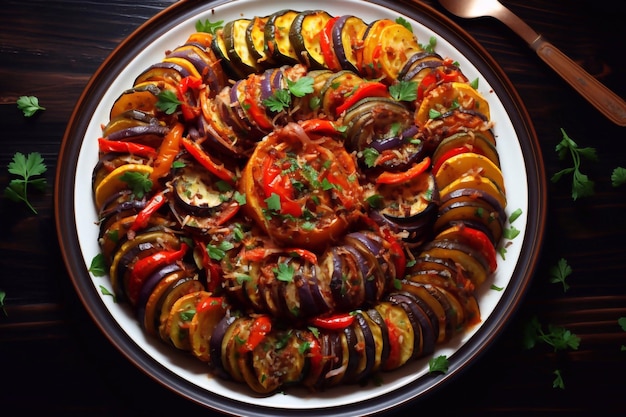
(55,361)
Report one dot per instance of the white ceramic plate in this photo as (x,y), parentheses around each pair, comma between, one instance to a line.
(78,231)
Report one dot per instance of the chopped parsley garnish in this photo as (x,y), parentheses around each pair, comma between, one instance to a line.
(25,167)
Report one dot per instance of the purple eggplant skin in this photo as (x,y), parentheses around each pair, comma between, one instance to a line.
(149,286)
(150,135)
(404,71)
(124,263)
(192,54)
(182,72)
(323,304)
(353,355)
(432,315)
(337,43)
(215,345)
(378,319)
(429,332)
(369,348)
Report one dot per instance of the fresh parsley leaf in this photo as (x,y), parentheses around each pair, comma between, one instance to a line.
(511,233)
(167,102)
(558,337)
(208,26)
(105,291)
(284,272)
(139,183)
(3,294)
(430,47)
(560,272)
(218,252)
(582,186)
(558,380)
(370,155)
(622,322)
(404,91)
(98,266)
(26,167)
(474,83)
(29,105)
(401,20)
(273,202)
(618,177)
(279,101)
(301,87)
(439,364)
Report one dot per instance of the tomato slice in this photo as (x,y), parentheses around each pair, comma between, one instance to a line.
(401,177)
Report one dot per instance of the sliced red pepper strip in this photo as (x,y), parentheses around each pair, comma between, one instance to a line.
(334,322)
(274,182)
(320,127)
(149,264)
(138,149)
(258,254)
(189,112)
(367,89)
(219,170)
(395,346)
(213,269)
(401,177)
(143,218)
(170,147)
(260,327)
(253,108)
(210,303)
(326,45)
(398,251)
(449,154)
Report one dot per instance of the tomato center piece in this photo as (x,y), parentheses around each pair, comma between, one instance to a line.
(301,186)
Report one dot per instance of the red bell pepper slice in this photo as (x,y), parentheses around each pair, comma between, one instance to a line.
(145,266)
(274,182)
(189,112)
(320,127)
(334,322)
(449,154)
(401,177)
(395,346)
(260,327)
(253,108)
(155,203)
(326,45)
(210,303)
(398,252)
(219,170)
(258,254)
(367,89)
(213,269)
(138,149)
(170,147)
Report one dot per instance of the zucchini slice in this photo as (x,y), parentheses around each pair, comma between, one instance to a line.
(304,36)
(278,47)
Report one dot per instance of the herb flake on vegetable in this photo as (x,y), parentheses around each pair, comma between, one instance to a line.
(26,167)
(29,105)
(168,102)
(208,26)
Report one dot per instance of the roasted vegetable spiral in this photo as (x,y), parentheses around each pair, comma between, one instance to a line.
(300,199)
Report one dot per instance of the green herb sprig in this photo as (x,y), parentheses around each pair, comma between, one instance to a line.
(26,167)
(29,105)
(582,186)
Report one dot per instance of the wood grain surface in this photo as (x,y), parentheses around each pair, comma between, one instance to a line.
(55,361)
